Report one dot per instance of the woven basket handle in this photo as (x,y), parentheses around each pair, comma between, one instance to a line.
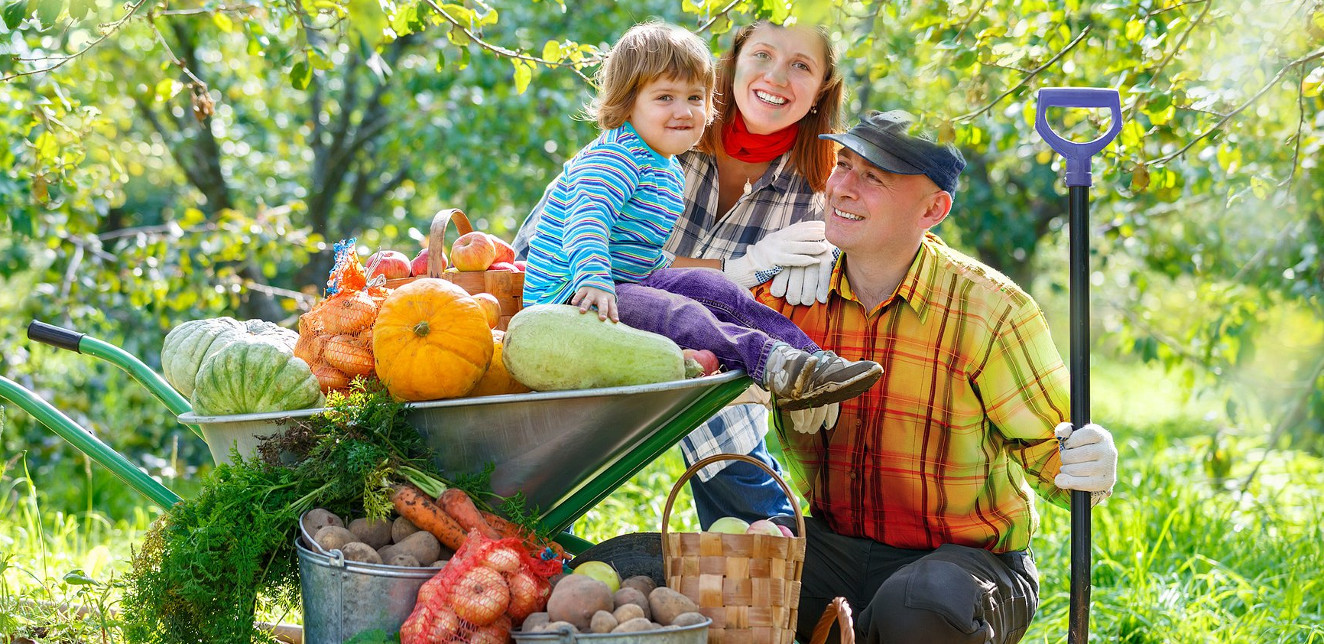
(694,469)
(838,611)
(437,237)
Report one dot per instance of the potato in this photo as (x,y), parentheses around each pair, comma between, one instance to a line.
(403,559)
(643,583)
(666,604)
(333,537)
(632,596)
(440,563)
(553,627)
(421,545)
(534,621)
(319,518)
(688,619)
(401,528)
(374,533)
(576,598)
(602,622)
(636,625)
(627,612)
(361,552)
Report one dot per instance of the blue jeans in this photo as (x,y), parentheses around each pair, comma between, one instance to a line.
(699,308)
(741,490)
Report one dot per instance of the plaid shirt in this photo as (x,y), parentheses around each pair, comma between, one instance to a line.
(779,198)
(952,442)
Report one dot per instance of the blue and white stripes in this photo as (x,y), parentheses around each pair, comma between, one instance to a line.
(606,218)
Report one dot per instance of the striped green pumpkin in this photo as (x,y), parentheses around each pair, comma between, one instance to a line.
(188,344)
(251,375)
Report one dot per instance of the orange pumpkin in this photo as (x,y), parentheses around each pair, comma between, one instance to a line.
(497,380)
(431,341)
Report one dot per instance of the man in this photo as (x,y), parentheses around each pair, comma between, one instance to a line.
(921,490)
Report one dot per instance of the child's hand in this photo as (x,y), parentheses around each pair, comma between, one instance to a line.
(605,302)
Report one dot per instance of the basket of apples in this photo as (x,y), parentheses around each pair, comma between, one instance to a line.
(480,263)
(744,576)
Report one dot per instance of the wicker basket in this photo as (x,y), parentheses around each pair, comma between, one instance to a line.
(748,584)
(508,287)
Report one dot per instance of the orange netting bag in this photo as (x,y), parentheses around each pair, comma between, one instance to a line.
(335,337)
(485,591)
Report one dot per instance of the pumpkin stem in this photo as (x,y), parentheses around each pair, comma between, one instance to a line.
(421,329)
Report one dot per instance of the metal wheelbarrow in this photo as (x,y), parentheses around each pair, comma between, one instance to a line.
(565,450)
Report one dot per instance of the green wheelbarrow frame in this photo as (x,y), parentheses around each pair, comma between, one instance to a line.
(652,443)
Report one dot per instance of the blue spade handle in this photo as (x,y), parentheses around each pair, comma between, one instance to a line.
(1078,155)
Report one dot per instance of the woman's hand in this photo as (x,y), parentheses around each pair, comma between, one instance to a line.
(604,301)
(796,245)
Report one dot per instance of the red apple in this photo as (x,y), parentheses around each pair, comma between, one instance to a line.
(503,266)
(505,252)
(389,263)
(473,252)
(491,308)
(521,265)
(705,358)
(419,267)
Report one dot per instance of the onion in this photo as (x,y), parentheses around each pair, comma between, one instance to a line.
(480,596)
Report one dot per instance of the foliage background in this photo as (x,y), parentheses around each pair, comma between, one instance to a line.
(166,161)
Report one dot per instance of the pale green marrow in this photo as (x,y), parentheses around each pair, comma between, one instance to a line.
(554,347)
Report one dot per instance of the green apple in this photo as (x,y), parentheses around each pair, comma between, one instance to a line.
(602,572)
(729,525)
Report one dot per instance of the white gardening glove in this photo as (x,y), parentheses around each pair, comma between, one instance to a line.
(796,245)
(809,421)
(802,285)
(1089,460)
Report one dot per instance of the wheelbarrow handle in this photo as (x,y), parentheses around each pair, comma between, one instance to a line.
(1078,155)
(56,336)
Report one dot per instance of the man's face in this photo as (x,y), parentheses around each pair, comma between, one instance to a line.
(871,210)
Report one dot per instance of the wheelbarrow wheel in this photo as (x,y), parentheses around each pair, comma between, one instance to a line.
(637,553)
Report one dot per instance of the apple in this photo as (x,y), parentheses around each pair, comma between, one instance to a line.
(503,266)
(602,572)
(763,526)
(473,252)
(705,358)
(388,263)
(729,525)
(786,532)
(419,267)
(521,265)
(491,308)
(505,252)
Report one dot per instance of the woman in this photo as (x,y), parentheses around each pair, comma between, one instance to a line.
(754,205)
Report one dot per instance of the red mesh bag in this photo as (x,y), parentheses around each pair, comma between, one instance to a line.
(335,337)
(486,589)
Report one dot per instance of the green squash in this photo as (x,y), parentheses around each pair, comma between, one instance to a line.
(187,345)
(254,374)
(554,347)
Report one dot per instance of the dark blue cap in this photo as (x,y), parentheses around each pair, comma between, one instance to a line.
(882,139)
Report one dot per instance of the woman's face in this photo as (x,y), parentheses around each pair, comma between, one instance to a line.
(778,76)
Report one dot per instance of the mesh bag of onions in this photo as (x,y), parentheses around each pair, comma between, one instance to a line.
(335,337)
(485,591)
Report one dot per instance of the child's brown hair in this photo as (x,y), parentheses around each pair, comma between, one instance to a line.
(647,52)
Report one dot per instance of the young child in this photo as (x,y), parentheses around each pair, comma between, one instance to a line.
(608,214)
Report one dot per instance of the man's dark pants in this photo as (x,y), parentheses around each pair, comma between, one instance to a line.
(953,594)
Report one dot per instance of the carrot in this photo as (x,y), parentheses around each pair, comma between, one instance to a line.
(461,508)
(508,528)
(416,506)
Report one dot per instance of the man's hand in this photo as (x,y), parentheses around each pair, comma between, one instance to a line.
(809,421)
(604,301)
(802,285)
(796,245)
(1089,460)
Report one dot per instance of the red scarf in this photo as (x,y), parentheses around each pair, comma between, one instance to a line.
(743,145)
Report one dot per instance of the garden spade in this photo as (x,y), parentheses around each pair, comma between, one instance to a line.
(1078,157)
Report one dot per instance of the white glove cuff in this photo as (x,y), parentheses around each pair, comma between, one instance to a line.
(740,271)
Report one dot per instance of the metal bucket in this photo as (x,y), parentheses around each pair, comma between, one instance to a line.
(696,634)
(344,598)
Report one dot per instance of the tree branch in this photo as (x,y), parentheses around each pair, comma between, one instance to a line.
(1035,72)
(109,30)
(1241,108)
(510,53)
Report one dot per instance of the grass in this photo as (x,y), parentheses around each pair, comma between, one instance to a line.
(1182,553)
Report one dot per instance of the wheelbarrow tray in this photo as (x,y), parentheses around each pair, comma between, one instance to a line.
(564,450)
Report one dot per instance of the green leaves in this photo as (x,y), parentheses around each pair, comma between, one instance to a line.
(14,13)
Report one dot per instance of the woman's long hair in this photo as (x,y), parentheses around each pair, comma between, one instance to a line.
(813,157)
